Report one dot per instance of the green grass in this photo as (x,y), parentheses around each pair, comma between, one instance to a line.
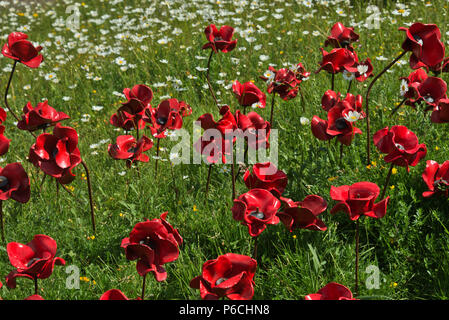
(410,245)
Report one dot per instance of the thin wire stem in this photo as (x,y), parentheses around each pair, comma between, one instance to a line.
(387,181)
(89,188)
(7,89)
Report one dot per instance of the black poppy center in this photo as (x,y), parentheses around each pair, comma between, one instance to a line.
(441,184)
(148,242)
(32,261)
(4,183)
(344,43)
(132,149)
(417,38)
(44,126)
(341,124)
(218,39)
(219,281)
(161,121)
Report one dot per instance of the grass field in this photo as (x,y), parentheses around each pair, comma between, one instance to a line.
(123,43)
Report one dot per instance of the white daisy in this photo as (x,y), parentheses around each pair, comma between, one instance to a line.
(352,116)
(304,121)
(362,69)
(404,87)
(269,75)
(348,75)
(120,61)
(50,76)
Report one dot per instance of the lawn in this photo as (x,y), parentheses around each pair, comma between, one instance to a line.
(123,43)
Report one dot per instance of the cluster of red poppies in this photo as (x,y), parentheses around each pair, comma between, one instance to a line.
(135,114)
(56,154)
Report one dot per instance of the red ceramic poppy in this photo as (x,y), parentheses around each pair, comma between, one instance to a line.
(248,94)
(331,291)
(256,209)
(167,115)
(34,297)
(127,148)
(220,39)
(341,36)
(361,70)
(410,84)
(300,72)
(34,260)
(41,117)
(431,90)
(440,113)
(424,41)
(266,176)
(153,243)
(115,294)
(214,143)
(330,99)
(57,154)
(401,146)
(14,183)
(340,119)
(22,50)
(253,127)
(2,115)
(358,199)
(139,92)
(4,142)
(283,82)
(303,214)
(129,115)
(436,177)
(230,275)
(336,60)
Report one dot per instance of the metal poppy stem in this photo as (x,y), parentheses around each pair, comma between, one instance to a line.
(387,181)
(208,179)
(2,223)
(272,109)
(67,190)
(255,248)
(7,89)
(89,188)
(142,296)
(368,136)
(397,108)
(208,80)
(35,286)
(357,256)
(157,157)
(349,86)
(42,182)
